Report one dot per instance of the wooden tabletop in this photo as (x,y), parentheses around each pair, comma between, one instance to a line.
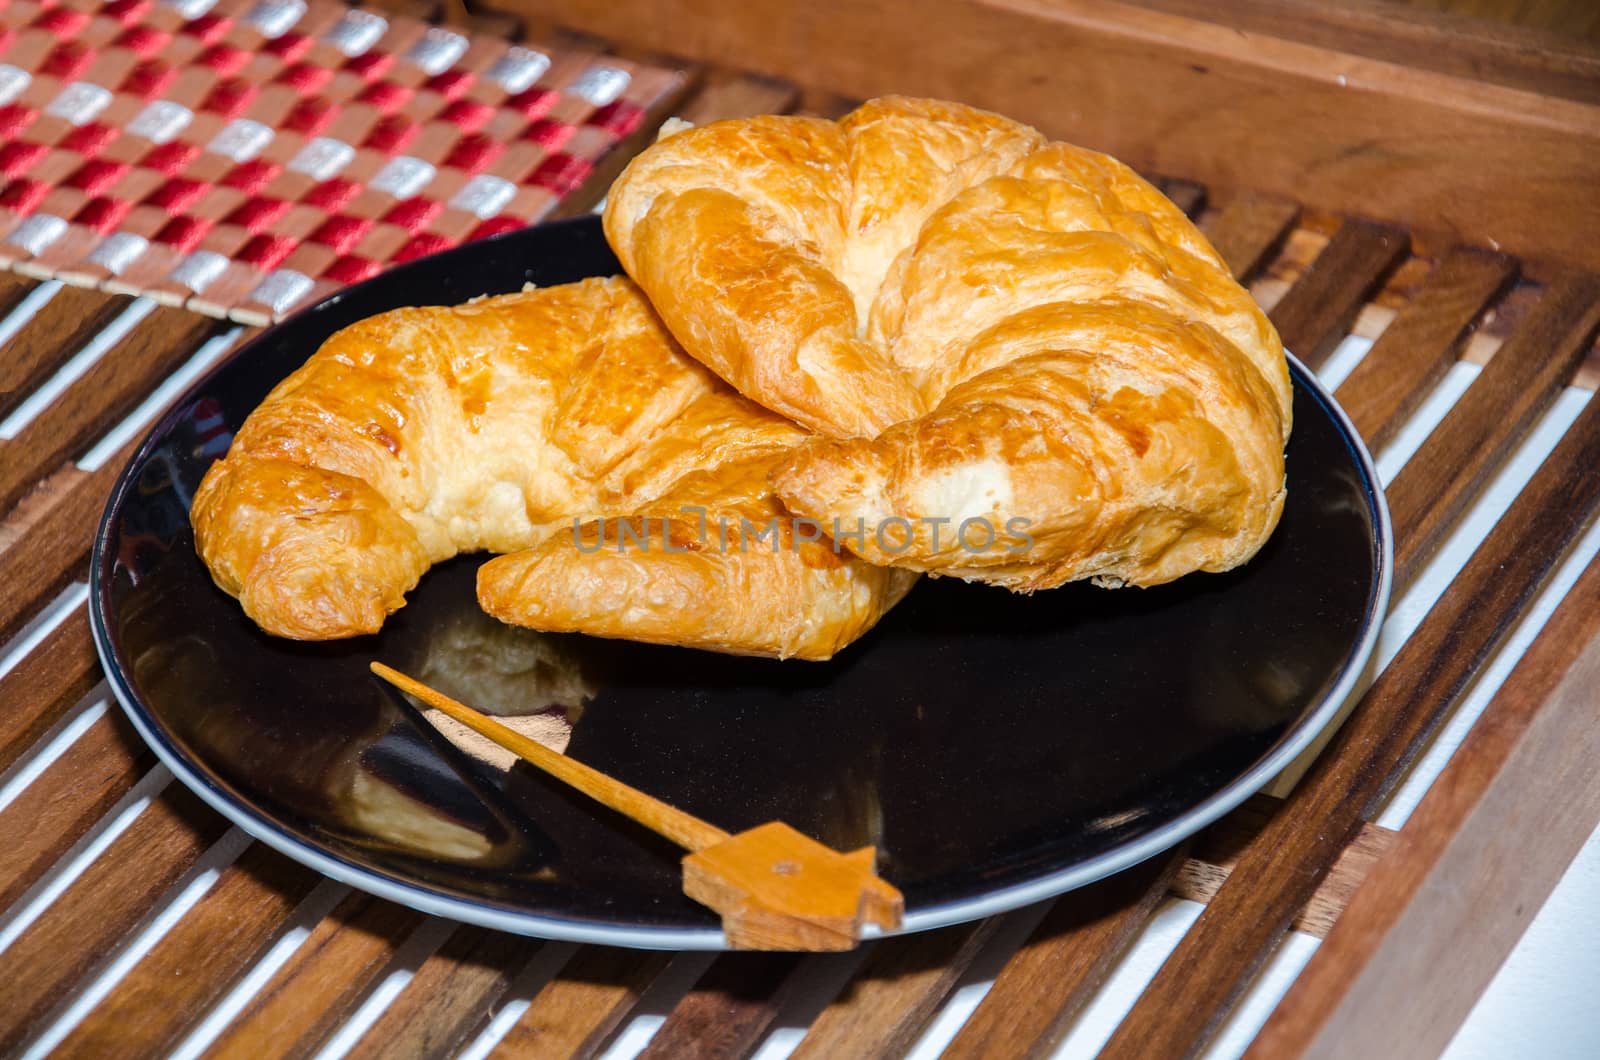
(138,922)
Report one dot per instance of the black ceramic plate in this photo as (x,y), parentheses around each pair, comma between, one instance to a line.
(996,748)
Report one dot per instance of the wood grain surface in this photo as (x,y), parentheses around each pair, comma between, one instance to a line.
(1499,409)
(1205,975)
(60,328)
(45,684)
(449,998)
(1046,983)
(321,984)
(45,541)
(1515,803)
(1385,140)
(575,1014)
(195,963)
(728,1011)
(64,802)
(1249,230)
(1319,309)
(894,993)
(1420,344)
(83,927)
(111,387)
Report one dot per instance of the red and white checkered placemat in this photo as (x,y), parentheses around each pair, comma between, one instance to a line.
(243,157)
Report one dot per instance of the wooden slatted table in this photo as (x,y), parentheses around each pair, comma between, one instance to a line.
(139,922)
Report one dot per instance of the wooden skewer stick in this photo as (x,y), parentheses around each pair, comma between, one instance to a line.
(775,888)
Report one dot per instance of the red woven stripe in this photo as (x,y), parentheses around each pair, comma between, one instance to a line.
(67,60)
(19,156)
(177,195)
(143,41)
(495,226)
(170,159)
(230,97)
(250,177)
(533,102)
(418,246)
(148,79)
(89,140)
(96,177)
(350,270)
(452,84)
(467,115)
(472,153)
(413,214)
(387,96)
(331,195)
(62,21)
(619,118)
(208,28)
(126,11)
(102,214)
(265,252)
(305,78)
(289,47)
(257,215)
(23,195)
(371,65)
(550,134)
(225,59)
(341,233)
(183,233)
(310,116)
(562,173)
(391,134)
(14,118)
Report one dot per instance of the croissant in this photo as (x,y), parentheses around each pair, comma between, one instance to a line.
(991,332)
(418,434)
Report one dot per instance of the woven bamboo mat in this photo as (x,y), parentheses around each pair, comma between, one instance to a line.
(243,158)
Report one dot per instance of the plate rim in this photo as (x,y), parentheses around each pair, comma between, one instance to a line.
(486,912)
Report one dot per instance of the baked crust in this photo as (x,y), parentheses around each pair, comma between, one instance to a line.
(991,330)
(422,433)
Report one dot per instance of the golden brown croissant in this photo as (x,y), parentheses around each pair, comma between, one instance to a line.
(1021,337)
(421,433)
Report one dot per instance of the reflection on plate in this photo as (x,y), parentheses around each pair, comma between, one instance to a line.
(996,748)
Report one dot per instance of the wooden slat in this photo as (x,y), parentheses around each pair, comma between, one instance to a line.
(728,1011)
(195,963)
(1319,309)
(1515,803)
(1523,377)
(1053,975)
(451,996)
(577,1012)
(1186,195)
(1162,92)
(78,932)
(1540,61)
(321,984)
(45,542)
(44,686)
(65,801)
(1197,986)
(58,331)
(1217,851)
(13,289)
(1248,230)
(738,96)
(1419,345)
(92,404)
(897,989)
